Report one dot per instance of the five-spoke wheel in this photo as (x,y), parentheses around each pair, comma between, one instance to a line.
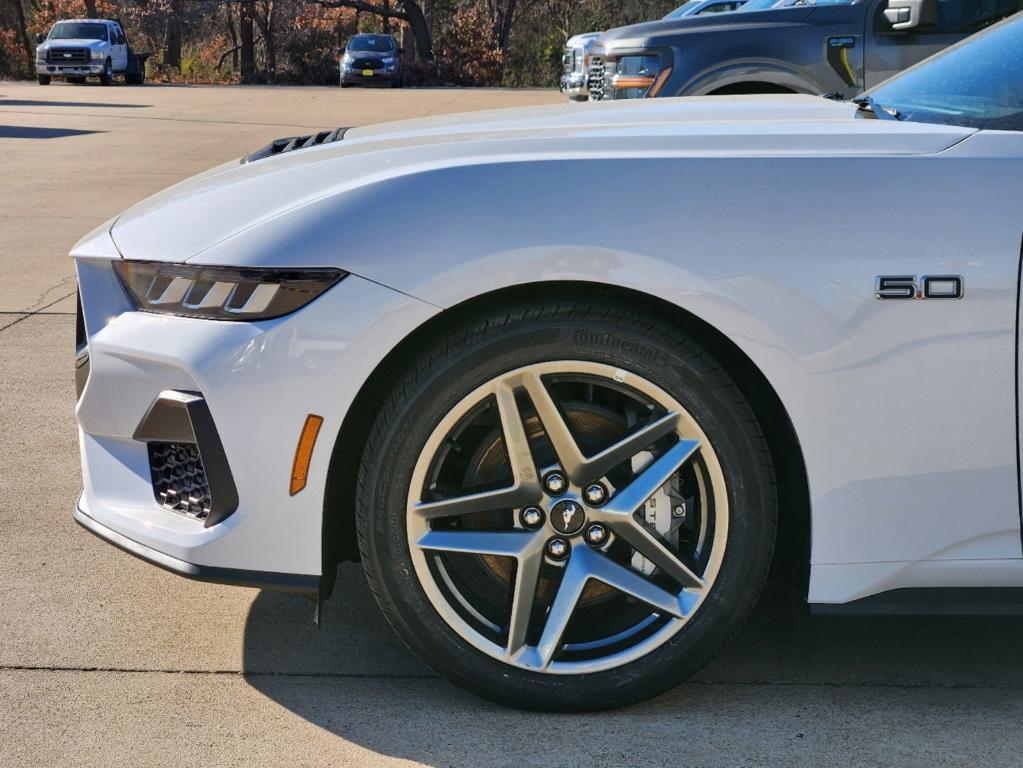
(566,507)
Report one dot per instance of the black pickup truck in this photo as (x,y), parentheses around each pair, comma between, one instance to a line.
(784,46)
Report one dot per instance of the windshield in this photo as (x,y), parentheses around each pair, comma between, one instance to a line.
(766,5)
(683,9)
(72,30)
(977,84)
(374,43)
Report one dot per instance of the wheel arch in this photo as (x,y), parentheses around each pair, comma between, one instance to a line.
(744,77)
(792,551)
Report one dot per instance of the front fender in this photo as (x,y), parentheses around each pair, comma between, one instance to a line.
(734,240)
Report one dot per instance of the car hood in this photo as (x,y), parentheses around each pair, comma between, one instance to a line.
(71,42)
(239,195)
(666,31)
(370,54)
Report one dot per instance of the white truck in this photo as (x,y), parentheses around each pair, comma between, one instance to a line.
(79,48)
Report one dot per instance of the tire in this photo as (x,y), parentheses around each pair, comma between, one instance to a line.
(107,78)
(627,350)
(135,78)
(43,79)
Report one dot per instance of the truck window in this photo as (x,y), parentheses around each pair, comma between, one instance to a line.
(70,30)
(971,15)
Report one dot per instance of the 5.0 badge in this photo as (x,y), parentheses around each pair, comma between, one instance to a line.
(926,287)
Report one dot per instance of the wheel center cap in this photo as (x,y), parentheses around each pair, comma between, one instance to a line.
(568,517)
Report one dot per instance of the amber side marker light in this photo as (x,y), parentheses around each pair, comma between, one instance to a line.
(304,452)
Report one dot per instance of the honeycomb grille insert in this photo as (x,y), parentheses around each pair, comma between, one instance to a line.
(179,479)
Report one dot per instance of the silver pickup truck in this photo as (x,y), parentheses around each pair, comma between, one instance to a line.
(79,48)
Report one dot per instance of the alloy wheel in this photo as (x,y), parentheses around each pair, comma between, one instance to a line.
(567,517)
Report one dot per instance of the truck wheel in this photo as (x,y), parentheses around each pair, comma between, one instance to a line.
(135,78)
(108,74)
(43,79)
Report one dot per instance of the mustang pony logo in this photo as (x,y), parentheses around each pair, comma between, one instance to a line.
(568,513)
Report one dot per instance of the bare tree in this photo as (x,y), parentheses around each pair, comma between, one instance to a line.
(90,9)
(248,43)
(26,44)
(172,41)
(409,11)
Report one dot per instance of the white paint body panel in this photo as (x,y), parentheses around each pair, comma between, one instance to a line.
(768,218)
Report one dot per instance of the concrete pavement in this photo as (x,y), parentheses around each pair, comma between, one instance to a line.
(107,661)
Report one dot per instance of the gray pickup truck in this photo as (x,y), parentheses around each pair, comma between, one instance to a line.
(783,46)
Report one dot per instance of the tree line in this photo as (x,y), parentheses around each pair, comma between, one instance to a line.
(465,42)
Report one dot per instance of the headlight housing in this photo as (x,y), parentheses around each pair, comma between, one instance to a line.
(639,76)
(97,54)
(222,293)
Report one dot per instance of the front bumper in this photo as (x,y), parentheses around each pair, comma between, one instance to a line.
(260,381)
(63,70)
(379,77)
(283,582)
(573,85)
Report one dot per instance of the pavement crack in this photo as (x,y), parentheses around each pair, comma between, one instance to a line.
(862,684)
(33,313)
(213,672)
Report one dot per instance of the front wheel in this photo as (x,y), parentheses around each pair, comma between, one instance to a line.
(108,74)
(567,507)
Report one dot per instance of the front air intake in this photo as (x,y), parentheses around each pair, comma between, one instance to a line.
(187,464)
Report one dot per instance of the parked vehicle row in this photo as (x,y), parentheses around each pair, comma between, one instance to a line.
(779,46)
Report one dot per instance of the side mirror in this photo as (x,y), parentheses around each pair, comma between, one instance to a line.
(40,38)
(910,14)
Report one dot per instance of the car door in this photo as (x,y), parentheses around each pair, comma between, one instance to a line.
(891,51)
(118,48)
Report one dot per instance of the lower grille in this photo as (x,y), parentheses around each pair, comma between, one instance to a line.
(179,479)
(597,78)
(67,56)
(367,64)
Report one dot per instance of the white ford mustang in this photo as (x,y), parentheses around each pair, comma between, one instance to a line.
(568,448)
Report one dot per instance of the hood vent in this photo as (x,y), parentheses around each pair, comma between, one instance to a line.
(289,143)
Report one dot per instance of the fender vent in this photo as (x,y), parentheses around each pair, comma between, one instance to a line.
(289,143)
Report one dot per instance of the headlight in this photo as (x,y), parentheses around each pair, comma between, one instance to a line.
(639,76)
(40,56)
(97,54)
(222,293)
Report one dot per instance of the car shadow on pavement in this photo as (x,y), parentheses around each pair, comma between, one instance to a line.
(29,132)
(354,678)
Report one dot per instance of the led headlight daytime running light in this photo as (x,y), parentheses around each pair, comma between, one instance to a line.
(222,293)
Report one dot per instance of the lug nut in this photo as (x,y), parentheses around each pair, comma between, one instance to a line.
(555,483)
(595,494)
(557,549)
(596,535)
(532,518)
(679,511)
